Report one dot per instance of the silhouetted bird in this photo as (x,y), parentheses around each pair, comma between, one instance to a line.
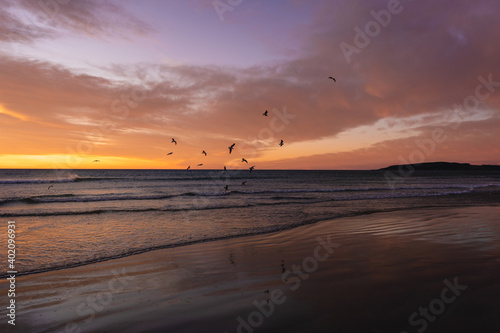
(96,161)
(204,153)
(170,153)
(231,147)
(265,113)
(224,169)
(243,160)
(200,164)
(244,183)
(251,168)
(173,141)
(332,79)
(50,187)
(281,143)
(189,167)
(226,187)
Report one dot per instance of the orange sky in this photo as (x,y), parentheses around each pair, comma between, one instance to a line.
(116,82)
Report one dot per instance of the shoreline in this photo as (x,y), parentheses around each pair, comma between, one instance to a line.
(213,284)
(467,200)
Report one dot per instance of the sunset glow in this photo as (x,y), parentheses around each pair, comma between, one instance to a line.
(115,81)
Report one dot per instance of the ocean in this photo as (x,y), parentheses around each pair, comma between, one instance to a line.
(67,218)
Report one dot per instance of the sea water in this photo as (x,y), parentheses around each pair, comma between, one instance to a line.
(67,218)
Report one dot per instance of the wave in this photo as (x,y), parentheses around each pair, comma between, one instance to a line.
(216,177)
(150,209)
(63,198)
(75,198)
(252,232)
(68,198)
(93,179)
(367,189)
(76,179)
(72,198)
(38,181)
(302,201)
(244,233)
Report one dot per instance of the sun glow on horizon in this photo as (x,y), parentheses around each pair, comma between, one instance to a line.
(60,161)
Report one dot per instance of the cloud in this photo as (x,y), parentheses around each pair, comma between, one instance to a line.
(28,21)
(475,143)
(12,30)
(202,107)
(410,77)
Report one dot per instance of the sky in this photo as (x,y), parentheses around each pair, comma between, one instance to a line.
(114,81)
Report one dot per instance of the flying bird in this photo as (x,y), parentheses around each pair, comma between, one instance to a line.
(170,153)
(173,141)
(95,161)
(204,153)
(226,187)
(244,183)
(244,160)
(200,164)
(265,113)
(251,168)
(189,167)
(330,77)
(281,143)
(50,187)
(231,147)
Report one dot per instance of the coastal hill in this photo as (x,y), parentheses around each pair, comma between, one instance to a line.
(443,166)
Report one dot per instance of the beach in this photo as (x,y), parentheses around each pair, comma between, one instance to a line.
(235,166)
(370,273)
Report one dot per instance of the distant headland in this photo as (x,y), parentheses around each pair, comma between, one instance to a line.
(443,166)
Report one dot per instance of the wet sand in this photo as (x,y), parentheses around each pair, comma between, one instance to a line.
(432,270)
